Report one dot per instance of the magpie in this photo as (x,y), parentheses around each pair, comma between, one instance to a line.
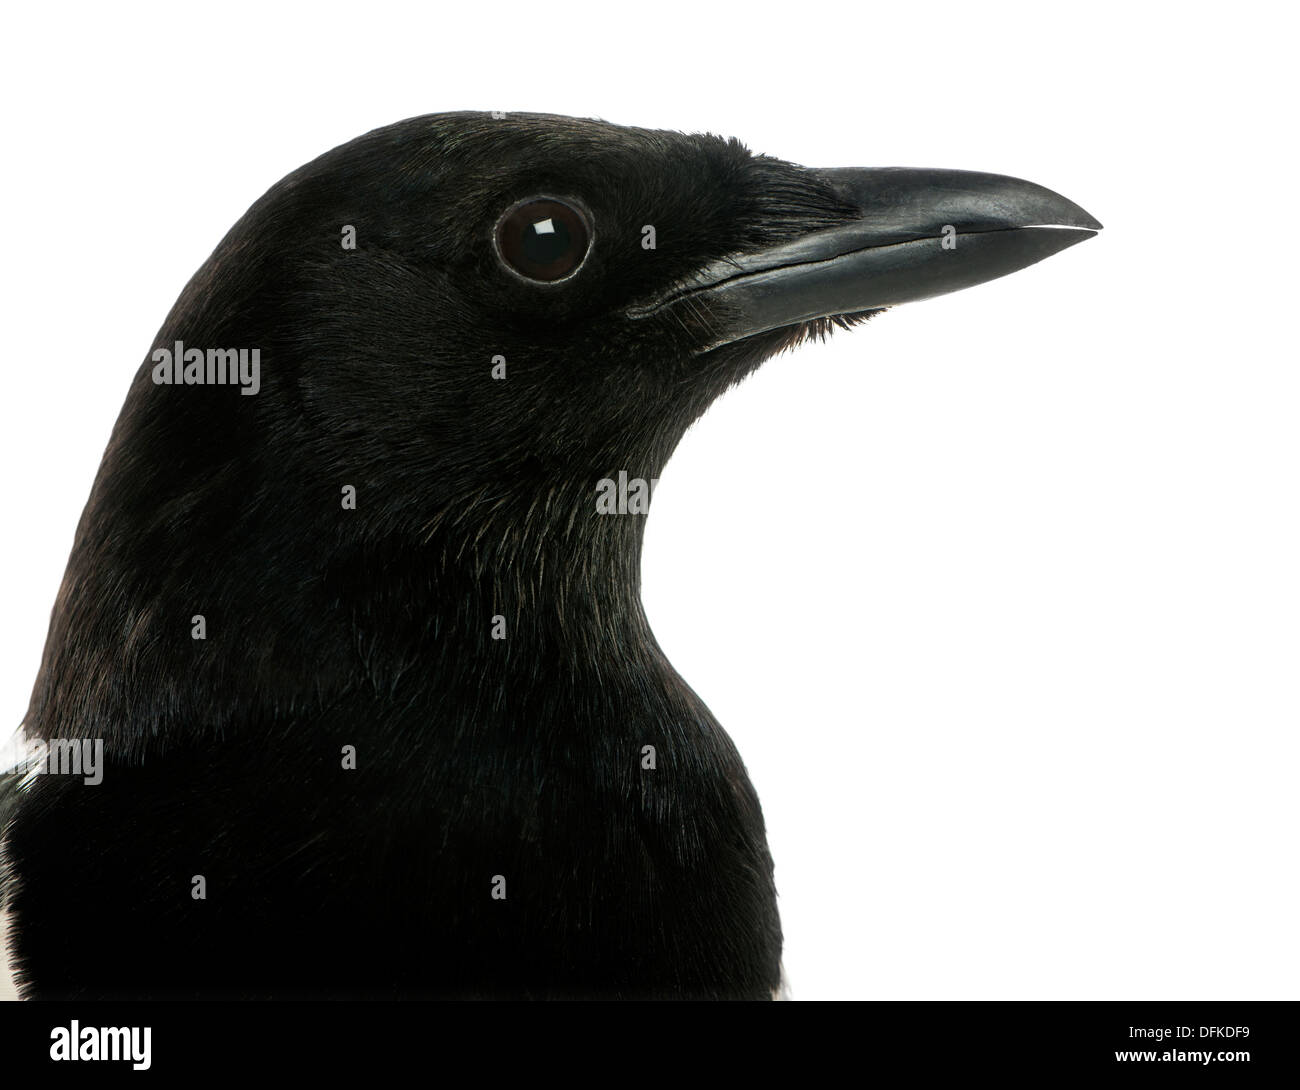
(348,690)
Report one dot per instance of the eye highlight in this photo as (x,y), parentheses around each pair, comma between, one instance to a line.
(543,239)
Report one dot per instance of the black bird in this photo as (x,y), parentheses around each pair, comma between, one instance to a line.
(356,615)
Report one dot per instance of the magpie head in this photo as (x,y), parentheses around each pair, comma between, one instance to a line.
(513,313)
(492,308)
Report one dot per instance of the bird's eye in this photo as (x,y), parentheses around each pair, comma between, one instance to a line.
(543,239)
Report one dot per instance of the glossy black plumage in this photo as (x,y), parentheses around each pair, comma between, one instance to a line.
(327,627)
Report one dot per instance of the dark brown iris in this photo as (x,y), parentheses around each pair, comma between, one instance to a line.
(543,239)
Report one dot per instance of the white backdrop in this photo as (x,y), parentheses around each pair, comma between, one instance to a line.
(998,595)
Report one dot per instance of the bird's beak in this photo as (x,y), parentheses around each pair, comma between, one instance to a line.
(919,233)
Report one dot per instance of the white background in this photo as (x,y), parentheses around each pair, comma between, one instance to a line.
(998,595)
